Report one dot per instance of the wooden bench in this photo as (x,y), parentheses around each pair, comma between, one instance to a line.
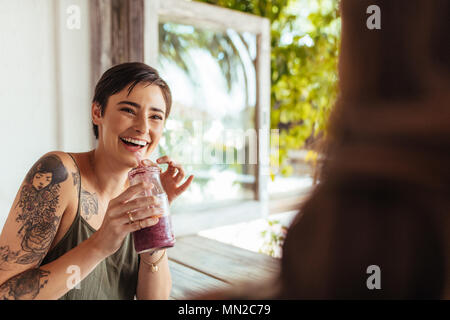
(199,264)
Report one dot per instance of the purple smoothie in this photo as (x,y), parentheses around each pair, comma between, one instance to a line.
(155,237)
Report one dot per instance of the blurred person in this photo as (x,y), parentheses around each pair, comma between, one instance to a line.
(383,197)
(75,212)
(384,194)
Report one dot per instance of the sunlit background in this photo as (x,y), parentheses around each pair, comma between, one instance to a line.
(212,76)
(46,92)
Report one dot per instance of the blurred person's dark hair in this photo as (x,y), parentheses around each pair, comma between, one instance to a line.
(383,196)
(128,75)
(384,192)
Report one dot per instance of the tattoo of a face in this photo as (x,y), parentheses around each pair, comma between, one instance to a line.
(89,204)
(39,199)
(25,285)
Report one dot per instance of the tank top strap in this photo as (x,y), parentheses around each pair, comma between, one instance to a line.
(79,177)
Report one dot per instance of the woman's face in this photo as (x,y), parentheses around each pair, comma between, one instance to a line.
(41,180)
(132,125)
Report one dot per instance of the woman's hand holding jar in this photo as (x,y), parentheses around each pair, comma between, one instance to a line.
(126,214)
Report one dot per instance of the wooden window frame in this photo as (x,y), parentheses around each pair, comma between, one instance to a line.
(127,30)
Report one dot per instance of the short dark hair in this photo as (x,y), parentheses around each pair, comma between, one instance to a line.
(129,74)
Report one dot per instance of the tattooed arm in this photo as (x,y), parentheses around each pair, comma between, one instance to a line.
(30,229)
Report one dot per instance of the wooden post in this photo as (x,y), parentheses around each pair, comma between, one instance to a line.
(117,29)
(136,30)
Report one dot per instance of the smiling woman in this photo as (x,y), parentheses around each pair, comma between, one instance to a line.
(110,84)
(133,120)
(79,209)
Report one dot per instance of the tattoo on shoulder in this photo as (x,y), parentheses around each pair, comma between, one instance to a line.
(88,204)
(25,285)
(75,178)
(39,199)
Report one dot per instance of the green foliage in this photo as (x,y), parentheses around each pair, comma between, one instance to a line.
(303,66)
(273,238)
(174,44)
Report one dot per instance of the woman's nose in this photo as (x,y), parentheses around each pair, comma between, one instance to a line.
(141,125)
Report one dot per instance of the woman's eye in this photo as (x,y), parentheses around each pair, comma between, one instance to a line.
(155,116)
(128,110)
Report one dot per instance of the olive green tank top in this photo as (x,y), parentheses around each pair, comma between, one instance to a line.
(114,278)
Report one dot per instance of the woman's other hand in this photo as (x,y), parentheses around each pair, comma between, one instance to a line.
(172,177)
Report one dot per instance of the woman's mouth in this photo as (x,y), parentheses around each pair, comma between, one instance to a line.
(133,145)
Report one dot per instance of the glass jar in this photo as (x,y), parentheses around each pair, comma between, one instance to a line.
(160,235)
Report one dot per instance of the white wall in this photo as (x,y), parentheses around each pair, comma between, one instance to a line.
(44,87)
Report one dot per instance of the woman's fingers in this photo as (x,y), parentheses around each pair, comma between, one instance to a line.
(145,223)
(185,185)
(163,159)
(138,203)
(171,169)
(140,214)
(175,170)
(131,192)
(148,162)
(180,175)
(141,224)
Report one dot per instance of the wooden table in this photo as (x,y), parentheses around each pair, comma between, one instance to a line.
(199,264)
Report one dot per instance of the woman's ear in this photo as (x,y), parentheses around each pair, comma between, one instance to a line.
(96,113)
